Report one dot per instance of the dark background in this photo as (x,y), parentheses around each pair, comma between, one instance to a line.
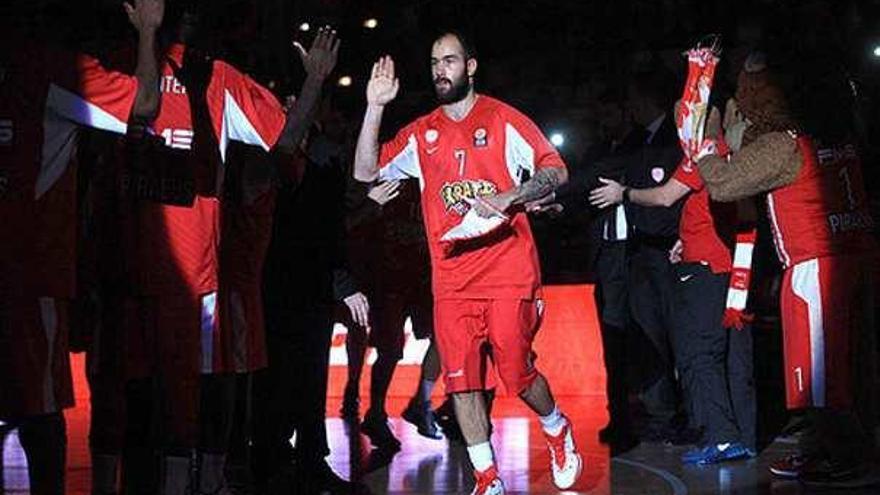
(551,59)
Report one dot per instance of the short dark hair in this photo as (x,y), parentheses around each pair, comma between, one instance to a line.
(470,50)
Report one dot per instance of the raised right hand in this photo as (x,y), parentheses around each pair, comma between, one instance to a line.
(383,85)
(145,15)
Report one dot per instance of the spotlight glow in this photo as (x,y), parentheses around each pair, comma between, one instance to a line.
(877,51)
(345,81)
(557,139)
(304,27)
(371,23)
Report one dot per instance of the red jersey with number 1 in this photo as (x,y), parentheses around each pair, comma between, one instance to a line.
(493,149)
(706,228)
(824,212)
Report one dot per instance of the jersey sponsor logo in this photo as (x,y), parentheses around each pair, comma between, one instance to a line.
(431,135)
(480,138)
(6,132)
(455,194)
(170,84)
(657,173)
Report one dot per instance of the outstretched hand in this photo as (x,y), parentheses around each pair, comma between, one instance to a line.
(383,85)
(145,15)
(320,60)
(608,194)
(384,192)
(359,307)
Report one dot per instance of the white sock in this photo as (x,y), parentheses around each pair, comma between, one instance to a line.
(481,456)
(554,422)
(425,389)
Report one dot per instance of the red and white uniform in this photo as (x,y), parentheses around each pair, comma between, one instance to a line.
(821,226)
(702,241)
(177,246)
(486,153)
(45,97)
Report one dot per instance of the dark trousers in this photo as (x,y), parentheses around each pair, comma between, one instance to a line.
(650,284)
(291,395)
(613,307)
(714,363)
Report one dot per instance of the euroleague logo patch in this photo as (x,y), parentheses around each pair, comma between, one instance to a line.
(480,138)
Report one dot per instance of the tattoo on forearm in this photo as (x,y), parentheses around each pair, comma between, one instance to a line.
(541,184)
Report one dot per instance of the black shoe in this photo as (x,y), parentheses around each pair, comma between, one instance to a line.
(422,417)
(376,428)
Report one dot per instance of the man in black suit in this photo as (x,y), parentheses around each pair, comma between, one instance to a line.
(652,232)
(608,256)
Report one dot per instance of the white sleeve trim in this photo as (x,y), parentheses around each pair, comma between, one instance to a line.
(64,111)
(405,165)
(518,154)
(236,126)
(75,108)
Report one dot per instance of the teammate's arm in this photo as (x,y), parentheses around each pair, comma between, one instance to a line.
(319,62)
(612,193)
(146,16)
(381,90)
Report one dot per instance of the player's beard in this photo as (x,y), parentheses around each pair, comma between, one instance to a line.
(457,90)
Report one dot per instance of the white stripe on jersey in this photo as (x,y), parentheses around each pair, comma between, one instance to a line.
(73,107)
(518,154)
(237,126)
(777,232)
(64,111)
(405,164)
(805,285)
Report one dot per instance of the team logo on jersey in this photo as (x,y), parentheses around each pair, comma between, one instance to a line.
(6,132)
(431,135)
(657,173)
(480,138)
(455,193)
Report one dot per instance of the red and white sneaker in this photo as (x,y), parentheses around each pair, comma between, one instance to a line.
(565,461)
(488,483)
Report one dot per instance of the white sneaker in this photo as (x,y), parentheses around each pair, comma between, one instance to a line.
(488,483)
(565,461)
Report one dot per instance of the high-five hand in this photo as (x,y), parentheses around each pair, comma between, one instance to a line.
(610,193)
(145,15)
(320,60)
(383,85)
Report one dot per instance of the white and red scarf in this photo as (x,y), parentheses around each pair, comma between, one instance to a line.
(691,119)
